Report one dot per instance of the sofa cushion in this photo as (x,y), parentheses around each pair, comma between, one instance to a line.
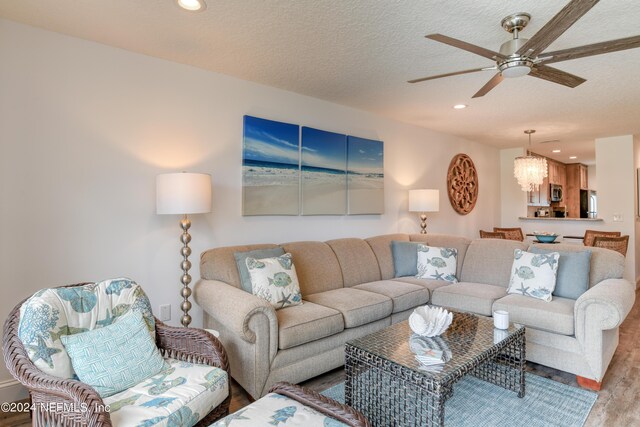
(437,263)
(465,296)
(489,261)
(358,307)
(220,263)
(241,258)
(275,280)
(446,241)
(381,246)
(357,261)
(554,316)
(605,263)
(404,295)
(317,266)
(305,323)
(179,396)
(405,258)
(534,275)
(573,272)
(430,284)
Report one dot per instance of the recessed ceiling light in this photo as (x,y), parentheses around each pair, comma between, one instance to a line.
(573,157)
(555,151)
(192,5)
(460,106)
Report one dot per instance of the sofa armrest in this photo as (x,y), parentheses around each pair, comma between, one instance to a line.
(604,306)
(235,308)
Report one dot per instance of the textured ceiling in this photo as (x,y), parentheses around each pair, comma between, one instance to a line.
(361,53)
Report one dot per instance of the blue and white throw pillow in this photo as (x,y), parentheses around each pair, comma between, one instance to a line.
(437,263)
(116,357)
(275,280)
(534,275)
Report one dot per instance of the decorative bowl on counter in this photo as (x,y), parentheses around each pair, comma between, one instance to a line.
(544,237)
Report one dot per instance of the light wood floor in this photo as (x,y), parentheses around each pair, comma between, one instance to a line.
(618,402)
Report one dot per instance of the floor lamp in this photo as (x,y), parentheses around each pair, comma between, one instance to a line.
(184,194)
(423,201)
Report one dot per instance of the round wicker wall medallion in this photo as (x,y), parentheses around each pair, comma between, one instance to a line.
(462,184)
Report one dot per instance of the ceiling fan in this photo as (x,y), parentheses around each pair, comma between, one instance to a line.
(519,57)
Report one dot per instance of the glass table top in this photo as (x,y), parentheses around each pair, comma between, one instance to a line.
(468,337)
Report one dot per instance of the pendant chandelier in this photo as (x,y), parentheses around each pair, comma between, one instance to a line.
(530,171)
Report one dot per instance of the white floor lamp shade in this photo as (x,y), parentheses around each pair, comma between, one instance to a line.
(424,200)
(182,194)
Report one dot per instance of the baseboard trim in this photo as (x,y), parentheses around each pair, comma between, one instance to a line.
(12,390)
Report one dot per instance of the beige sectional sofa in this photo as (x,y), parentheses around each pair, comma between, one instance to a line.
(349,290)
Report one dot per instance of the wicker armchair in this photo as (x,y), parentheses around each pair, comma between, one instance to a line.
(67,402)
(590,235)
(492,235)
(618,244)
(322,404)
(511,233)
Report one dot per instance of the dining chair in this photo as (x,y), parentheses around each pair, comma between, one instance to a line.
(618,244)
(492,235)
(511,233)
(590,235)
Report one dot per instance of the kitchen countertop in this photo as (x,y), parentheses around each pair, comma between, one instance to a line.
(542,218)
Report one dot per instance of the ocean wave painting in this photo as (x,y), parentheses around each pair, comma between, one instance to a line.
(270,167)
(323,161)
(365,176)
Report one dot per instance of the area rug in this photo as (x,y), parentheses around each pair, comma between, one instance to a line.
(477,403)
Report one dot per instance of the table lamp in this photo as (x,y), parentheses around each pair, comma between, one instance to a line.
(423,201)
(184,194)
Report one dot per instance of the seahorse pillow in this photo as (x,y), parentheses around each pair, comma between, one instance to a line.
(275,280)
(534,275)
(437,263)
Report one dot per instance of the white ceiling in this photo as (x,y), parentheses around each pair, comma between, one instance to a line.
(361,53)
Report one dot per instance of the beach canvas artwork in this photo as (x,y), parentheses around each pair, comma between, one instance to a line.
(270,167)
(365,176)
(323,172)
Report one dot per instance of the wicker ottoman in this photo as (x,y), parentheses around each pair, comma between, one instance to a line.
(295,406)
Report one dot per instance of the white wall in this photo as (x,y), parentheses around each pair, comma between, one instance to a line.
(513,201)
(85,129)
(615,162)
(592,177)
(636,151)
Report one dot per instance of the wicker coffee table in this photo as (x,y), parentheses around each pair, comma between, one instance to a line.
(391,388)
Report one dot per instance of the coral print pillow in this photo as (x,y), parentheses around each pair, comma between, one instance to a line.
(534,275)
(437,263)
(275,280)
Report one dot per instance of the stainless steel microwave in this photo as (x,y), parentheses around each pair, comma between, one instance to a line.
(556,193)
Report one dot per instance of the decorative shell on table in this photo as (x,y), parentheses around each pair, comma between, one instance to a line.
(430,321)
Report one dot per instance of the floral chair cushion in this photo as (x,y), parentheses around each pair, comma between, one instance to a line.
(180,395)
(55,312)
(277,410)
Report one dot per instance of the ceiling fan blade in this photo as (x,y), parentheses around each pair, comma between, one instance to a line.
(450,74)
(495,81)
(465,46)
(556,76)
(590,50)
(555,27)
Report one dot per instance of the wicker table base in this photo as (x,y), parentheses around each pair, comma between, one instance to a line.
(386,384)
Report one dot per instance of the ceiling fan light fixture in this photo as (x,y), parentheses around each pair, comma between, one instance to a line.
(515,68)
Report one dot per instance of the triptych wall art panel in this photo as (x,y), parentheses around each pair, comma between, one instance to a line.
(270,168)
(288,170)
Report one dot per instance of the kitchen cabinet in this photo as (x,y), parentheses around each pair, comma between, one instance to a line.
(541,196)
(576,180)
(557,173)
